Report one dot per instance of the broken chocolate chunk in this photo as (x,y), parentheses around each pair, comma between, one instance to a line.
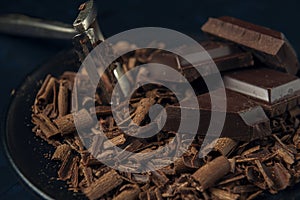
(270,46)
(226,57)
(275,91)
(245,120)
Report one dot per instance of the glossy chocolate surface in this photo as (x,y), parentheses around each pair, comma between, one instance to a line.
(269,46)
(245,120)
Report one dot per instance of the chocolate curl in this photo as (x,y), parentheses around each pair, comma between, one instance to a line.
(103,185)
(66,123)
(63,99)
(211,172)
(45,125)
(130,192)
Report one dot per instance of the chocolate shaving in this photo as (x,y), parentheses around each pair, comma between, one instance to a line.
(225,146)
(87,172)
(180,166)
(65,124)
(102,111)
(159,178)
(241,189)
(63,101)
(129,192)
(45,125)
(223,194)
(65,171)
(229,180)
(75,176)
(143,108)
(45,92)
(102,185)
(210,173)
(280,177)
(262,169)
(61,152)
(116,141)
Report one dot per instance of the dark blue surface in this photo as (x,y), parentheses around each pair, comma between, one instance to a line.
(19,56)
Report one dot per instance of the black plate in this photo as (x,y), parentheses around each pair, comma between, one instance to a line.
(26,152)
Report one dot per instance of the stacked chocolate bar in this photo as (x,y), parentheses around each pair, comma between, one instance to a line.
(259,148)
(258,87)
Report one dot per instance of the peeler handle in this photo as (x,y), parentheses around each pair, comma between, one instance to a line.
(21,25)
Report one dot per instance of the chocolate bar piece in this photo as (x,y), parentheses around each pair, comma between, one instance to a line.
(270,46)
(225,56)
(245,120)
(275,91)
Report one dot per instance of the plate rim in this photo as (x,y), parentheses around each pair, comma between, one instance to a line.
(31,187)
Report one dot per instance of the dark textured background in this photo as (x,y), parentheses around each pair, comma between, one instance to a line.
(19,56)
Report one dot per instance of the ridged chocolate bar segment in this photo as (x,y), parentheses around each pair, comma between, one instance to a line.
(270,46)
(275,91)
(264,84)
(245,120)
(226,57)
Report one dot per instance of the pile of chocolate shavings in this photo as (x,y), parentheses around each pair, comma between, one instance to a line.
(233,170)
